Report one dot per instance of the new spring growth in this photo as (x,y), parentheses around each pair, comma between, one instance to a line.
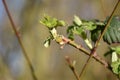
(70,63)
(80,27)
(54,36)
(115,64)
(51,23)
(57,37)
(77,20)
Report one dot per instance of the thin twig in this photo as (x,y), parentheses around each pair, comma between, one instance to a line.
(72,67)
(97,42)
(87,62)
(75,73)
(19,40)
(79,47)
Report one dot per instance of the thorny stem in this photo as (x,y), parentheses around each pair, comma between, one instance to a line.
(19,40)
(93,51)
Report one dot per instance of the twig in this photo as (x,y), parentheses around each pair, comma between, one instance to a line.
(107,25)
(79,47)
(97,42)
(19,40)
(72,67)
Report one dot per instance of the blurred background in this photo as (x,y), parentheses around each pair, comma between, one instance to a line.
(49,63)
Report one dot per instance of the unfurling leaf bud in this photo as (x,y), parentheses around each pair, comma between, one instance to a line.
(77,20)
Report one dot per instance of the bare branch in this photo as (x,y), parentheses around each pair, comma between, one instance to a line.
(19,40)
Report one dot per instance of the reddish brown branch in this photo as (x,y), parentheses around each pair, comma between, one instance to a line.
(19,40)
(79,47)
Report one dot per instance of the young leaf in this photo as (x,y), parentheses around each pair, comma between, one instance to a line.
(115,63)
(70,32)
(116,49)
(116,66)
(89,25)
(88,43)
(61,23)
(95,34)
(51,22)
(78,30)
(54,33)
(114,57)
(107,37)
(47,42)
(71,36)
(56,36)
(77,21)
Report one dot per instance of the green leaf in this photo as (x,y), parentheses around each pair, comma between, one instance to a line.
(82,27)
(96,32)
(71,36)
(116,49)
(114,57)
(77,21)
(89,25)
(116,66)
(112,34)
(99,23)
(95,35)
(54,33)
(78,30)
(83,35)
(61,23)
(70,32)
(56,37)
(47,42)
(115,61)
(107,37)
(51,22)
(88,43)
